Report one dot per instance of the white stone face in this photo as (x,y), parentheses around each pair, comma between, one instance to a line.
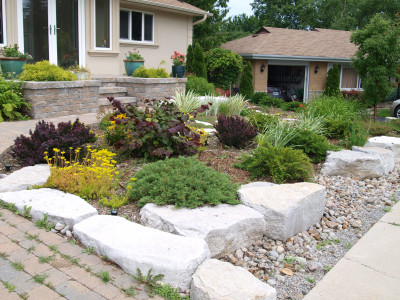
(217,280)
(352,164)
(24,178)
(133,246)
(257,184)
(287,208)
(387,142)
(386,156)
(61,207)
(225,227)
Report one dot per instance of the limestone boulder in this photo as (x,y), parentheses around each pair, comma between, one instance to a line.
(133,246)
(287,208)
(257,184)
(387,142)
(25,178)
(353,164)
(224,227)
(217,280)
(63,208)
(386,156)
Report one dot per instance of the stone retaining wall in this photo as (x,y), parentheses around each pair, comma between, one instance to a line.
(60,98)
(151,88)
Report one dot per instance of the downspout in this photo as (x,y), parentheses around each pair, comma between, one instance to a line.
(201,20)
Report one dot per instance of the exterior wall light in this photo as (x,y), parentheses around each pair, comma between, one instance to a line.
(316,69)
(262,68)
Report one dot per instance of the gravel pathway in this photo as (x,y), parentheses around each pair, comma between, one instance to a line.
(294,267)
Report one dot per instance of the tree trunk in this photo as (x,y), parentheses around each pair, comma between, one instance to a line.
(375,112)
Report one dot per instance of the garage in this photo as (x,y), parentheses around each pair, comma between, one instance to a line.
(287,82)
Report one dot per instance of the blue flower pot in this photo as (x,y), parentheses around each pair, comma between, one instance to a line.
(178,71)
(11,67)
(131,66)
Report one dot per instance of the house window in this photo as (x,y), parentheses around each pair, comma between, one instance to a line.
(136,26)
(103,24)
(349,79)
(2,23)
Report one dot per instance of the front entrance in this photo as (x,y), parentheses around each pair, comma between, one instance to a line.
(51,30)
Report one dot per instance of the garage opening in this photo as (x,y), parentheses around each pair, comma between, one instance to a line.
(286,82)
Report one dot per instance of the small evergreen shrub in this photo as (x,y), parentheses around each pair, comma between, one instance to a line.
(261,121)
(144,72)
(293,106)
(11,101)
(198,65)
(246,82)
(189,59)
(257,97)
(267,100)
(182,182)
(395,125)
(281,164)
(314,145)
(235,131)
(199,85)
(30,150)
(333,82)
(378,128)
(336,128)
(44,71)
(356,135)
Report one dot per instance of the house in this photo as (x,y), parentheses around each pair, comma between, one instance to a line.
(98,33)
(297,60)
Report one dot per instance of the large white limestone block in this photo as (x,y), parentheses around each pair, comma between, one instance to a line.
(386,157)
(25,178)
(287,208)
(217,280)
(60,207)
(352,164)
(387,142)
(224,227)
(133,246)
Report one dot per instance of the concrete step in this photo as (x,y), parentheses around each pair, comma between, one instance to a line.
(104,103)
(111,90)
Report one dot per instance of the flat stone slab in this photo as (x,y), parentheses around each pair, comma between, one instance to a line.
(134,246)
(287,208)
(225,228)
(353,164)
(217,280)
(60,207)
(387,142)
(386,156)
(257,184)
(24,178)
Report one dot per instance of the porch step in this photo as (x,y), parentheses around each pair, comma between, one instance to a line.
(113,91)
(125,100)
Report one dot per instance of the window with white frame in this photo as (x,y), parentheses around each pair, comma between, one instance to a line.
(2,23)
(136,26)
(103,24)
(349,79)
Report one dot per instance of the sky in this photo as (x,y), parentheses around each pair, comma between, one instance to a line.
(238,7)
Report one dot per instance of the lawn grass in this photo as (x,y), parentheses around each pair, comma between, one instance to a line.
(383,112)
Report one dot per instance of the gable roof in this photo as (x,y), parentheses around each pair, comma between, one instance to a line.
(175,5)
(271,42)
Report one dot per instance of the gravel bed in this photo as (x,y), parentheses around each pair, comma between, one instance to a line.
(294,267)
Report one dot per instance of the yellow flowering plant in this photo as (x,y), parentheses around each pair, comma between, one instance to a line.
(92,177)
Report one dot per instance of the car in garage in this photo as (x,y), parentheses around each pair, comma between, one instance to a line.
(395,108)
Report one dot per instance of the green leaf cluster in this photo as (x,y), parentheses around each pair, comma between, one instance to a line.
(199,85)
(182,182)
(246,82)
(144,72)
(11,101)
(189,59)
(44,71)
(332,82)
(198,66)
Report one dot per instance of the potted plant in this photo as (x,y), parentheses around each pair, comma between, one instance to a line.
(133,61)
(178,67)
(81,72)
(13,61)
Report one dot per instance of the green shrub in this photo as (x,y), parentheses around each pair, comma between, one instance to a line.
(333,82)
(231,106)
(199,85)
(281,164)
(144,72)
(378,128)
(257,97)
(313,144)
(261,121)
(307,121)
(189,59)
(356,135)
(182,182)
(44,71)
(11,101)
(198,65)
(392,95)
(223,67)
(186,102)
(395,125)
(336,128)
(277,134)
(267,100)
(246,82)
(293,106)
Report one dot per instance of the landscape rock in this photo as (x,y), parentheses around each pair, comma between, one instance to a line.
(64,230)
(352,164)
(224,227)
(60,207)
(288,209)
(314,266)
(386,156)
(134,246)
(59,226)
(68,234)
(387,142)
(25,178)
(257,184)
(217,280)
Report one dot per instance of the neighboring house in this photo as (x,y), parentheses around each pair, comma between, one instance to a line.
(298,60)
(98,33)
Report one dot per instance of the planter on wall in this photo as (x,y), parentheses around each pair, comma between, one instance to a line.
(178,71)
(12,66)
(131,66)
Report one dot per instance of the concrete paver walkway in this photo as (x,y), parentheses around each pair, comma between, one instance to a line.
(9,131)
(371,268)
